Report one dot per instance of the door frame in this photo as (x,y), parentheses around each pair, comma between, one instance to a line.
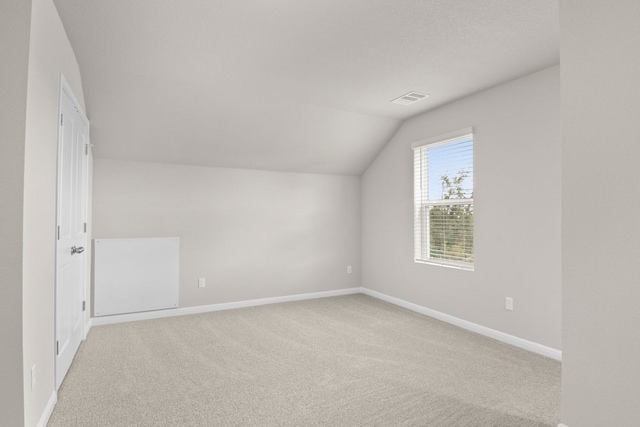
(65,88)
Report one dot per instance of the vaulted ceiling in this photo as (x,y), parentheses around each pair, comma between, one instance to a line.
(291,85)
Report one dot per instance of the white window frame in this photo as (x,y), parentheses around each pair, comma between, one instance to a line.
(421,222)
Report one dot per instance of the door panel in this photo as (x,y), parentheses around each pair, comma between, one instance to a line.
(64,302)
(65,170)
(71,217)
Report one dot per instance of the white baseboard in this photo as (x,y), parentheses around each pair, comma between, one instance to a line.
(87,328)
(48,410)
(562,425)
(132,317)
(464,324)
(470,326)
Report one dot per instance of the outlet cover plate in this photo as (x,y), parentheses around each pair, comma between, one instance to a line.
(508,303)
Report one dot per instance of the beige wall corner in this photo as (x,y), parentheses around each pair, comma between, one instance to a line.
(600,205)
(15,18)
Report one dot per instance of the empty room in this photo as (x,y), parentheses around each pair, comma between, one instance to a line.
(319,213)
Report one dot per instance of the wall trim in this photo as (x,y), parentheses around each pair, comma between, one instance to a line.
(534,347)
(522,343)
(48,410)
(87,328)
(443,138)
(132,317)
(562,425)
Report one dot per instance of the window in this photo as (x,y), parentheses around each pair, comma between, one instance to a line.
(443,200)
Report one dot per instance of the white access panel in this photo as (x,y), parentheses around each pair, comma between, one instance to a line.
(133,275)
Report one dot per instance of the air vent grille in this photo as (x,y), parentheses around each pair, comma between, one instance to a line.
(409,98)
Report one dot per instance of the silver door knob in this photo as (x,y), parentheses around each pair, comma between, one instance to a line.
(75,250)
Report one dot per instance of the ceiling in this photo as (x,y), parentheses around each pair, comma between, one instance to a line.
(290,85)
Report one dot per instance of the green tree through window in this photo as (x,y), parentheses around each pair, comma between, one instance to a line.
(451,225)
(443,202)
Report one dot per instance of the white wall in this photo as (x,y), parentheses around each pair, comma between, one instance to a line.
(50,54)
(15,18)
(251,234)
(517,212)
(601,205)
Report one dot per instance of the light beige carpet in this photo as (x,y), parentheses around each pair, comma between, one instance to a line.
(343,361)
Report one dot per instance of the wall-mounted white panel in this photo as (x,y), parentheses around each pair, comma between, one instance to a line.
(133,275)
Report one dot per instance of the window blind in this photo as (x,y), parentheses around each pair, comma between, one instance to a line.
(443,202)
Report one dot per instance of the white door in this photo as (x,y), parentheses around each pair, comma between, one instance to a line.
(71,238)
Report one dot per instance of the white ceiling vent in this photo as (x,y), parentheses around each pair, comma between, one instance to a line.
(409,98)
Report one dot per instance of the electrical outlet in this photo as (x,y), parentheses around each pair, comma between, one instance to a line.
(508,303)
(201,282)
(33,377)
(349,270)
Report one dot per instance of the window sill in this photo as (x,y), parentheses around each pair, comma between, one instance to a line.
(455,265)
